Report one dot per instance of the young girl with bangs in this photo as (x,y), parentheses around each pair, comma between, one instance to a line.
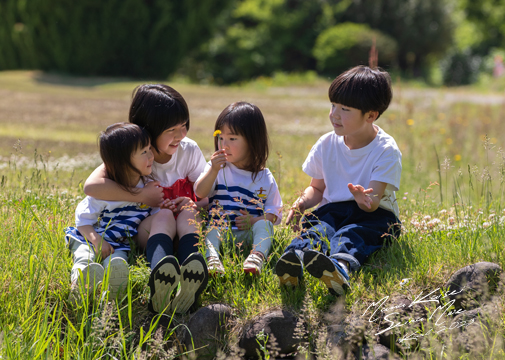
(242,192)
(178,161)
(103,228)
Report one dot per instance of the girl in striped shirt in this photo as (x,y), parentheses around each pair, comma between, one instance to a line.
(100,241)
(243,194)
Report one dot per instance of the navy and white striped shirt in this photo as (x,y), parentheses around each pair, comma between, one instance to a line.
(239,192)
(115,221)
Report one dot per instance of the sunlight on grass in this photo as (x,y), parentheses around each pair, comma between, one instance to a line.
(451,203)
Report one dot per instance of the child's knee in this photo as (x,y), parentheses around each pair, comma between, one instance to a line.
(164,215)
(264,225)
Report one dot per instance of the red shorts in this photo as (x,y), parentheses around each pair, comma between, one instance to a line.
(182,187)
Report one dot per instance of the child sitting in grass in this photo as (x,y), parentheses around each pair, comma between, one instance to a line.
(242,191)
(355,172)
(104,228)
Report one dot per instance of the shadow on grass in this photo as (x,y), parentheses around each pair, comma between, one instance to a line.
(53,78)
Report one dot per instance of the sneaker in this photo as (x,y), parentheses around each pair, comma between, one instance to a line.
(329,272)
(194,279)
(87,281)
(215,266)
(163,280)
(254,263)
(289,269)
(118,277)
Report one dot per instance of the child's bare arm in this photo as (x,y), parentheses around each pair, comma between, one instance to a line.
(101,246)
(99,186)
(204,185)
(368,199)
(312,196)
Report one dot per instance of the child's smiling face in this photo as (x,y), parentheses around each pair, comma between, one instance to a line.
(168,142)
(142,160)
(237,150)
(356,127)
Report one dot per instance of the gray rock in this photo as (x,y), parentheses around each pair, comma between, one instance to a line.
(207,330)
(412,317)
(378,352)
(473,284)
(279,326)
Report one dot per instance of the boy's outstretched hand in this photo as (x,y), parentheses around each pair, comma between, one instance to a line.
(294,216)
(361,195)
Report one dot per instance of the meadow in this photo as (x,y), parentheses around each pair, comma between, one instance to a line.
(451,203)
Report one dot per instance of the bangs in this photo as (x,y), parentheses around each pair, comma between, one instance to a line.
(143,139)
(348,93)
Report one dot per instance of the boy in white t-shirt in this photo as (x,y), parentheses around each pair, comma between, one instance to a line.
(355,172)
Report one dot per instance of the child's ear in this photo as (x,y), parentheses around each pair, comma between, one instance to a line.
(371,116)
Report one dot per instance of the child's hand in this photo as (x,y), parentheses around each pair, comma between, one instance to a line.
(294,216)
(218,159)
(180,204)
(361,195)
(244,222)
(104,248)
(152,194)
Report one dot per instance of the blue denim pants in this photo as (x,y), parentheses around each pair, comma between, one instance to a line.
(351,233)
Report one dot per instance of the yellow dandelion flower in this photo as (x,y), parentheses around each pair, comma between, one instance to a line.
(448,141)
(457,157)
(410,122)
(217,132)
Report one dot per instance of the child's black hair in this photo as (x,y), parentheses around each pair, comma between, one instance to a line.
(117,145)
(158,107)
(362,88)
(246,119)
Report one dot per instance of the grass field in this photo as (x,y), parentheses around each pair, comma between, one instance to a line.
(451,202)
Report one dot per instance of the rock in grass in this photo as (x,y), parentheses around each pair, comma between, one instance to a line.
(473,284)
(378,352)
(279,326)
(207,330)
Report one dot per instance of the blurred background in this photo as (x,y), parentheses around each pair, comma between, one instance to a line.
(438,42)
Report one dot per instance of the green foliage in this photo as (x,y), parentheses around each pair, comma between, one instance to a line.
(116,37)
(261,37)
(460,67)
(487,16)
(420,27)
(345,45)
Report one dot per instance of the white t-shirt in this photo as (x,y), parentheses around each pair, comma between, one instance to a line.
(331,160)
(115,221)
(188,161)
(238,191)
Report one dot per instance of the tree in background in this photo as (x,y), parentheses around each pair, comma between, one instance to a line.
(260,37)
(113,37)
(423,29)
(346,45)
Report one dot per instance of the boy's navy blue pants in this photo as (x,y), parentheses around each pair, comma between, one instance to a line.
(353,234)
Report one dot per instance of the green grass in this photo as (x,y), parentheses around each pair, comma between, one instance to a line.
(450,201)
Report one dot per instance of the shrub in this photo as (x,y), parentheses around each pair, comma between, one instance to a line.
(346,45)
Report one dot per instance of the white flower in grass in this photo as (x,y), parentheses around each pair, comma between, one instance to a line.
(486,224)
(28,191)
(427,218)
(405,281)
(491,217)
(34,207)
(451,220)
(431,224)
(442,212)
